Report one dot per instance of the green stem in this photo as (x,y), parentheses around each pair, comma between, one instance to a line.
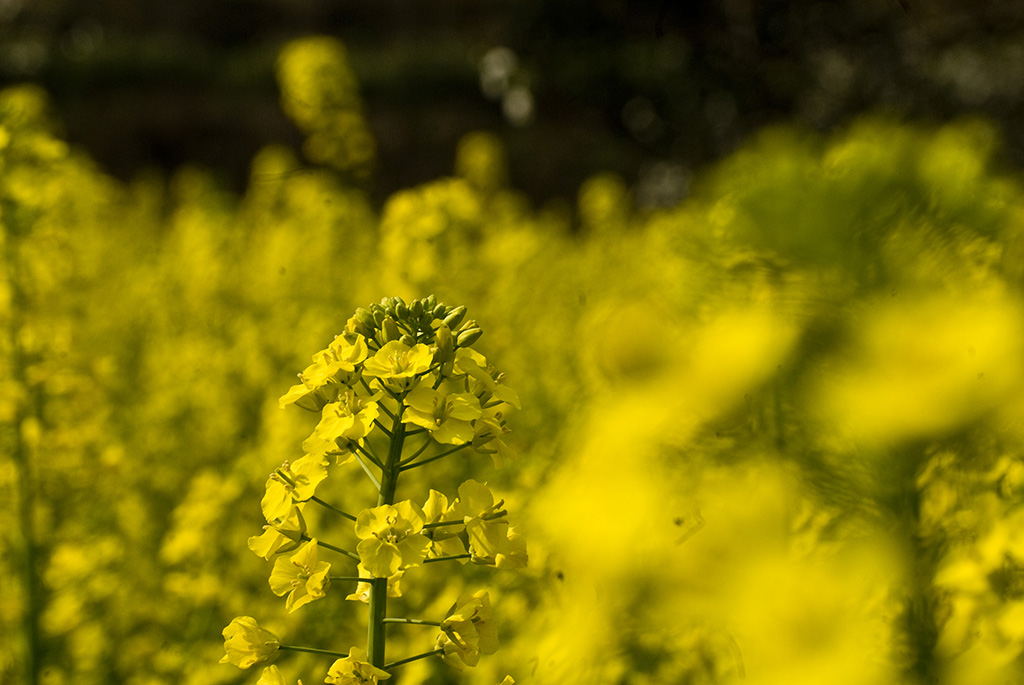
(369,473)
(355,578)
(311,650)
(333,508)
(413,658)
(356,447)
(439,524)
(417,452)
(450,558)
(413,621)
(339,550)
(375,639)
(436,457)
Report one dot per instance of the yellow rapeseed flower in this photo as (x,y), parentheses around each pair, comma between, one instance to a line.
(300,576)
(390,538)
(246,644)
(355,670)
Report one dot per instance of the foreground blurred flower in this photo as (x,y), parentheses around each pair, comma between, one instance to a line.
(300,575)
(391,538)
(355,670)
(272,676)
(246,644)
(468,631)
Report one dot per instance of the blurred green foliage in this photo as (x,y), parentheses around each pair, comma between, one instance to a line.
(770,434)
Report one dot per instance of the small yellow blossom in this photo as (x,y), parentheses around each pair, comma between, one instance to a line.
(491,541)
(335,365)
(362,593)
(449,416)
(280,535)
(342,424)
(355,670)
(390,538)
(398,362)
(293,482)
(246,644)
(468,631)
(301,576)
(272,676)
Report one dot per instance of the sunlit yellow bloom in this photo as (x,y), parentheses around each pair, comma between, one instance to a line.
(293,482)
(390,538)
(272,676)
(280,535)
(398,361)
(342,424)
(336,364)
(484,386)
(468,631)
(444,538)
(491,541)
(488,430)
(447,415)
(301,576)
(355,670)
(246,644)
(362,593)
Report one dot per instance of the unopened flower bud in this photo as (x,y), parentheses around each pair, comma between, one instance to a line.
(469,325)
(470,336)
(378,317)
(416,308)
(401,311)
(390,329)
(439,311)
(445,344)
(407,340)
(455,316)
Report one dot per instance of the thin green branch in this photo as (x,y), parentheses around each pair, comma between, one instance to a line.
(380,425)
(312,650)
(339,550)
(449,558)
(413,658)
(435,457)
(417,453)
(413,621)
(352,578)
(438,524)
(368,454)
(366,468)
(333,508)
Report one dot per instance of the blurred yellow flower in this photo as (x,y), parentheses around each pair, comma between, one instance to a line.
(272,676)
(246,644)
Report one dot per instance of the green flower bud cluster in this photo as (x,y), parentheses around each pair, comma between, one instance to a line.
(401,375)
(424,321)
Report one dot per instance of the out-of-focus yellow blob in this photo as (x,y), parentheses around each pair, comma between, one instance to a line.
(922,367)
